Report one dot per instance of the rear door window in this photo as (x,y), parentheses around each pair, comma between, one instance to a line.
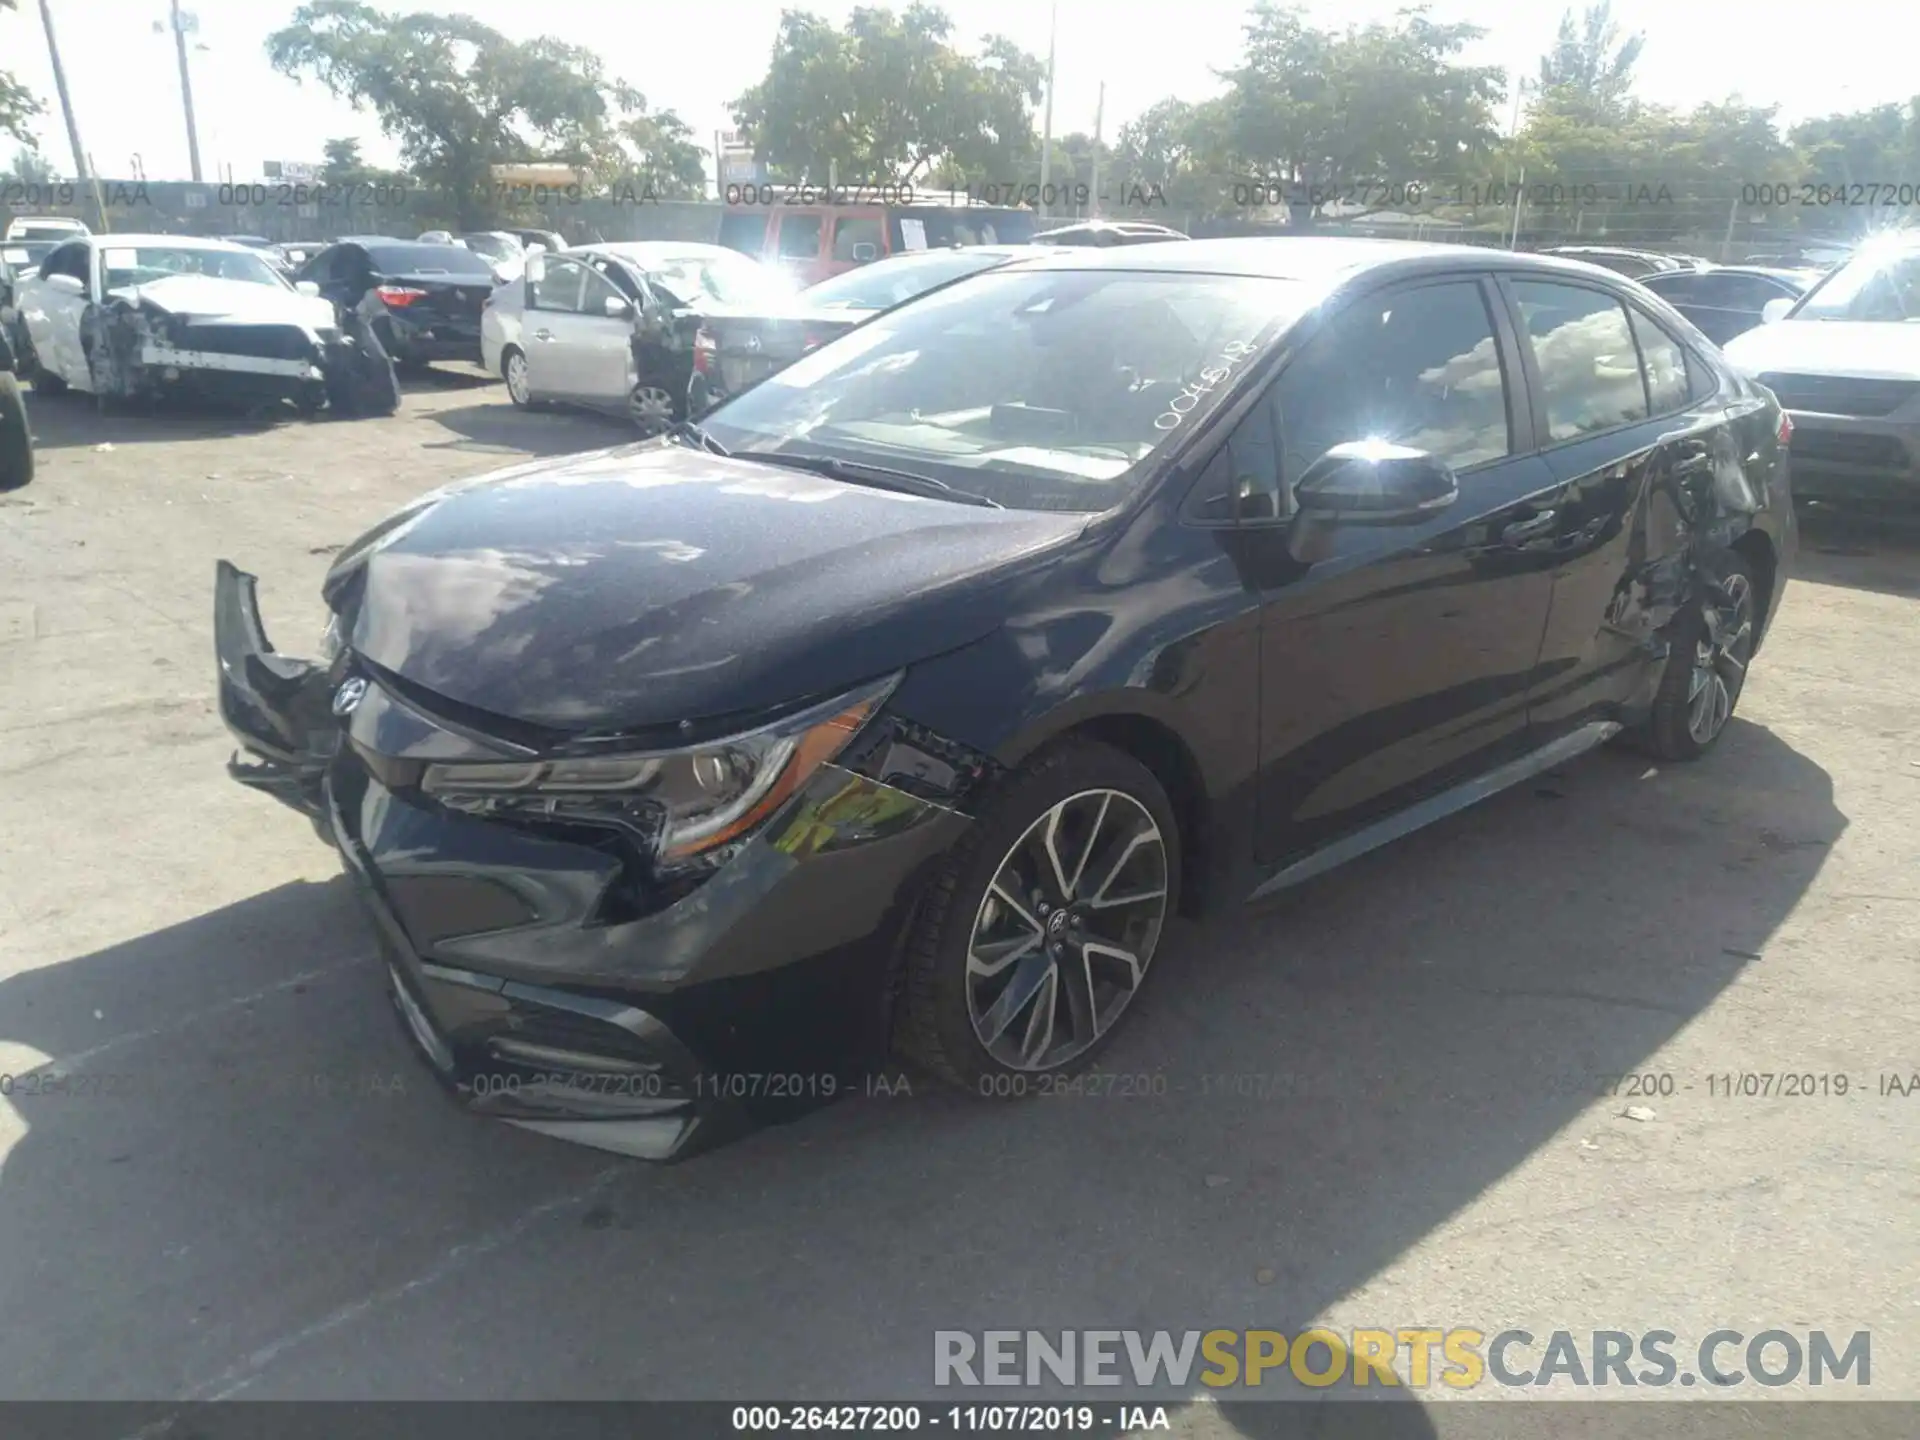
(850,231)
(1665,361)
(1589,366)
(745,231)
(799,237)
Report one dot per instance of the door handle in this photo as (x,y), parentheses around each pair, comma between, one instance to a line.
(543,334)
(1522,531)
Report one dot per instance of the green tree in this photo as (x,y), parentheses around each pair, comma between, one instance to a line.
(17,105)
(889,98)
(1589,71)
(1184,149)
(461,98)
(1386,104)
(29,167)
(342,164)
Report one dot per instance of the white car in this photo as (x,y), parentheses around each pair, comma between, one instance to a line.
(611,327)
(1844,362)
(122,316)
(44,227)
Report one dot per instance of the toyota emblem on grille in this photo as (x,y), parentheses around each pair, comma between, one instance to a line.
(753,344)
(350,694)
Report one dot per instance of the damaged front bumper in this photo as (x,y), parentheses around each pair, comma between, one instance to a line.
(546,976)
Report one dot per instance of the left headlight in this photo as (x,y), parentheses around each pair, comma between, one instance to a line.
(686,801)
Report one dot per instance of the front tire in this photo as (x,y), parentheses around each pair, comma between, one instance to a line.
(1707,667)
(1041,926)
(513,370)
(653,409)
(16,440)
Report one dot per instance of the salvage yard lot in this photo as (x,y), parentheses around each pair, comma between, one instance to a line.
(1378,1104)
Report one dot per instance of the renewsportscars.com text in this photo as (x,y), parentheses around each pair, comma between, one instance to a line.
(1459,1358)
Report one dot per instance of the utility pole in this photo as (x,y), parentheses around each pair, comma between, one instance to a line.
(1046,129)
(180,24)
(80,168)
(1093,190)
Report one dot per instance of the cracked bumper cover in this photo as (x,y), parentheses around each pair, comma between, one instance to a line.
(753,995)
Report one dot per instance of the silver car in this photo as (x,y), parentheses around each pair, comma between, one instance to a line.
(1844,362)
(611,327)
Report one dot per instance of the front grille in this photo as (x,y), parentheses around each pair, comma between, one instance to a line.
(259,342)
(1840,394)
(1882,452)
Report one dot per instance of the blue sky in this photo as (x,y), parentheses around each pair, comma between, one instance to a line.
(694,57)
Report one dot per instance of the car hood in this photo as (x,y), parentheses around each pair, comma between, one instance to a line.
(1865,350)
(653,584)
(230,302)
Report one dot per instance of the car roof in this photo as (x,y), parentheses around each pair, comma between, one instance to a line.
(119,241)
(1311,258)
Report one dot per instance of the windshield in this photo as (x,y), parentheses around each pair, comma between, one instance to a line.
(1883,286)
(1042,390)
(883,285)
(44,232)
(726,277)
(494,247)
(143,264)
(428,260)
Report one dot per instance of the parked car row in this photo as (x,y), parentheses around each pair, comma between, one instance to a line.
(901,702)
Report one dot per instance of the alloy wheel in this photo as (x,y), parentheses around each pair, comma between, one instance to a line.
(651,409)
(1063,937)
(1720,660)
(516,375)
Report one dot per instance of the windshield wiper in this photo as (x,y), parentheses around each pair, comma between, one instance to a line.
(692,434)
(879,477)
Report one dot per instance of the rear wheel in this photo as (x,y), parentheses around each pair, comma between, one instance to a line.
(1707,667)
(1042,924)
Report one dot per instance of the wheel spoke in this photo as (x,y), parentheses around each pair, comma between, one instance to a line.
(1127,851)
(1039,1034)
(1016,904)
(1137,897)
(1113,952)
(1029,977)
(988,958)
(1093,839)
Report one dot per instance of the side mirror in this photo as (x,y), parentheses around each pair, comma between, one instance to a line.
(1373,482)
(618,309)
(306,287)
(65,285)
(865,252)
(1775,310)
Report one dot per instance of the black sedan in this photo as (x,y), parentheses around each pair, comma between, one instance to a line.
(422,301)
(906,703)
(1729,300)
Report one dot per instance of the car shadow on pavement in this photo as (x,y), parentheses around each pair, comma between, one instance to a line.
(505,428)
(437,379)
(266,1196)
(71,421)
(1857,551)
